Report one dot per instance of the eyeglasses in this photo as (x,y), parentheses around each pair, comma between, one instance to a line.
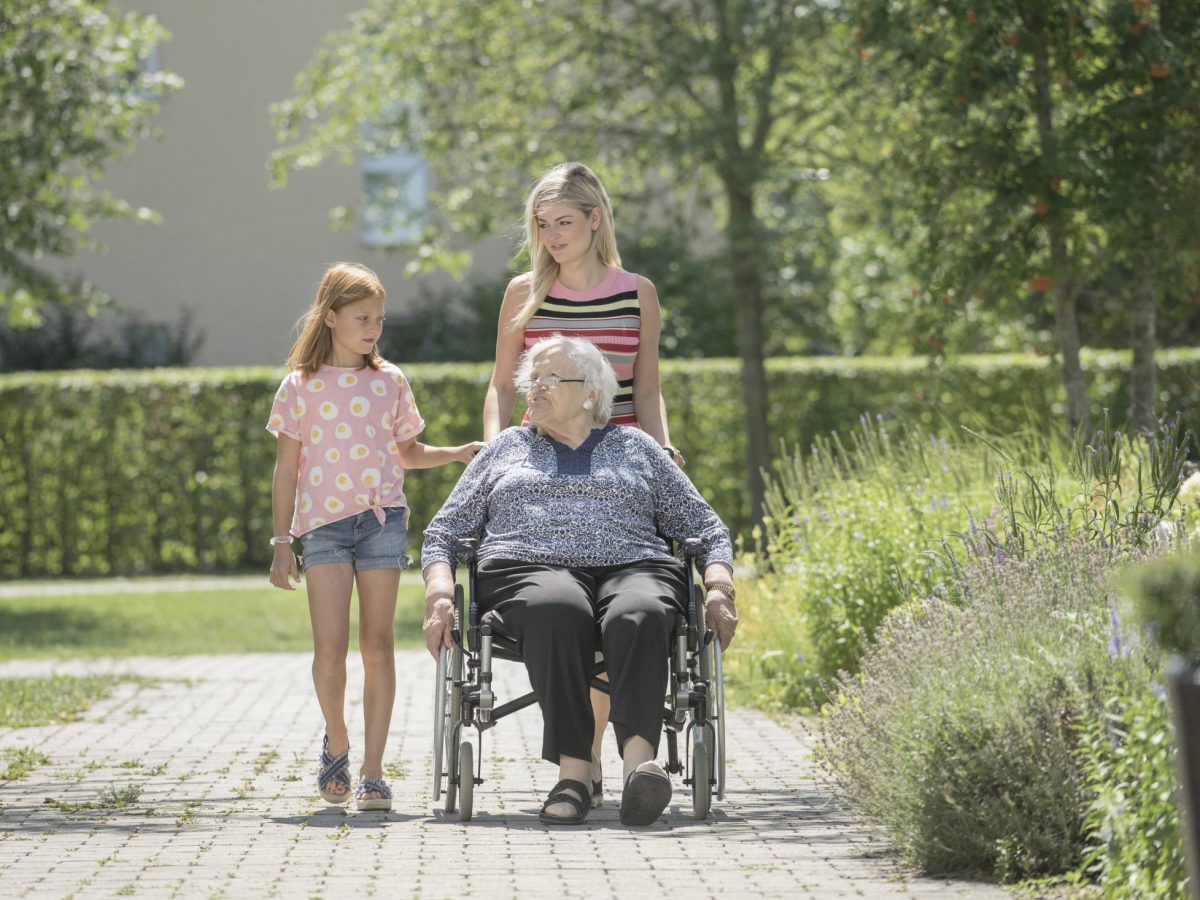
(549,382)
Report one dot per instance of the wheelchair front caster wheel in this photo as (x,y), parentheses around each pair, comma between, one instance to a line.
(466,780)
(701,780)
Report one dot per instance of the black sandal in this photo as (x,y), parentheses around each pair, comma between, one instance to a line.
(645,797)
(582,804)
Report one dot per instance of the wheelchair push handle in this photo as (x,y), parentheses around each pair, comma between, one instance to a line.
(465,550)
(692,548)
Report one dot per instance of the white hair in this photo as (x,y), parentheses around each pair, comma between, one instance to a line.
(590,363)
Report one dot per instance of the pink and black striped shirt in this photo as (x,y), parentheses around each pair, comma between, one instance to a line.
(609,315)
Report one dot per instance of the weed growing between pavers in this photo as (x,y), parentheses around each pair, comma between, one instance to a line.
(264,760)
(28,702)
(21,761)
(111,798)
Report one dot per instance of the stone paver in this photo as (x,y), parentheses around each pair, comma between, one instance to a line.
(216,760)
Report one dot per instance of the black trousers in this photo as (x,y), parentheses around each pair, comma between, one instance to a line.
(557,615)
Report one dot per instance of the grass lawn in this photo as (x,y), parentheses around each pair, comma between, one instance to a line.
(25,702)
(175,622)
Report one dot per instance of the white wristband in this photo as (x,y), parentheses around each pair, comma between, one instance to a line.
(285,539)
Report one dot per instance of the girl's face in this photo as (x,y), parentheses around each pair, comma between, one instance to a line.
(566,231)
(355,329)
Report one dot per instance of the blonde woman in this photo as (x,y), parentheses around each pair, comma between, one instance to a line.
(577,288)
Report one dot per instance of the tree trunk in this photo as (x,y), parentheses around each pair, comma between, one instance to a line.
(748,295)
(1066,332)
(1066,325)
(1143,377)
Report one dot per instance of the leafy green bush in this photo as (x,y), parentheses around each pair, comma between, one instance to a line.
(1134,819)
(125,472)
(857,528)
(960,735)
(847,529)
(70,337)
(167,470)
(1165,598)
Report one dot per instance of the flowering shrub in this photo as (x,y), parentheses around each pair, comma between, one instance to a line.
(848,530)
(961,734)
(862,526)
(1133,820)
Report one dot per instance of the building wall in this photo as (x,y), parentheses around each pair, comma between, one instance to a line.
(244,259)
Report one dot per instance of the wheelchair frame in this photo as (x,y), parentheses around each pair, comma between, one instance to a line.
(694,703)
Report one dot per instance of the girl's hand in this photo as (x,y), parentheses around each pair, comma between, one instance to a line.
(466,452)
(438,624)
(284,568)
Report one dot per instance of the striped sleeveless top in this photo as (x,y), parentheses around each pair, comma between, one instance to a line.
(609,316)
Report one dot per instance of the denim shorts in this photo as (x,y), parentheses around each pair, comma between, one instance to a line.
(359,540)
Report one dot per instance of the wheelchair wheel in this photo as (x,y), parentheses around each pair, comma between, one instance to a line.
(439,721)
(712,672)
(701,774)
(453,730)
(718,715)
(466,779)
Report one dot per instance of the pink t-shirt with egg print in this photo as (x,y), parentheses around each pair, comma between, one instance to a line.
(349,423)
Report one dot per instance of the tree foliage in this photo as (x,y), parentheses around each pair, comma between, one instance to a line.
(75,95)
(1037,144)
(715,110)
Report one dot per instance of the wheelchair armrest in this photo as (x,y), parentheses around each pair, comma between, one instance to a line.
(465,550)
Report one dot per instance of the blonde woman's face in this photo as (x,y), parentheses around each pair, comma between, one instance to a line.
(566,231)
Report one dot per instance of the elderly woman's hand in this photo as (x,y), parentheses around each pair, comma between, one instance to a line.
(439,607)
(721,616)
(438,625)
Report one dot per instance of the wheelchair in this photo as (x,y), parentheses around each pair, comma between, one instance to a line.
(694,705)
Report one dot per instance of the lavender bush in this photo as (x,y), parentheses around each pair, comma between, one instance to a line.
(961,733)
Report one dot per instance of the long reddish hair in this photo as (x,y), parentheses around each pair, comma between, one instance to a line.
(341,285)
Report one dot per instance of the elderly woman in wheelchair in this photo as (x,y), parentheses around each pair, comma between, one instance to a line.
(573,516)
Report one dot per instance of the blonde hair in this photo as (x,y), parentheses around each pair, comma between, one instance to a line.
(577,185)
(590,364)
(341,285)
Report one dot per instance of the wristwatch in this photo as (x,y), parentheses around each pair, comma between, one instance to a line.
(722,588)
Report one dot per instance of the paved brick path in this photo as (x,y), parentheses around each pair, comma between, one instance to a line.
(219,756)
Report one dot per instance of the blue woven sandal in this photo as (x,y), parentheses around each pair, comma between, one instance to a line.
(373,786)
(336,770)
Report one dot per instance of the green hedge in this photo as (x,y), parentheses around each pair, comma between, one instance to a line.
(170,470)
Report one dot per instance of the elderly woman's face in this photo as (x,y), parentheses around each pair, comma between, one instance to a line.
(556,392)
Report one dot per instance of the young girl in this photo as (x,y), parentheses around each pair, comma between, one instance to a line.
(577,288)
(346,428)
